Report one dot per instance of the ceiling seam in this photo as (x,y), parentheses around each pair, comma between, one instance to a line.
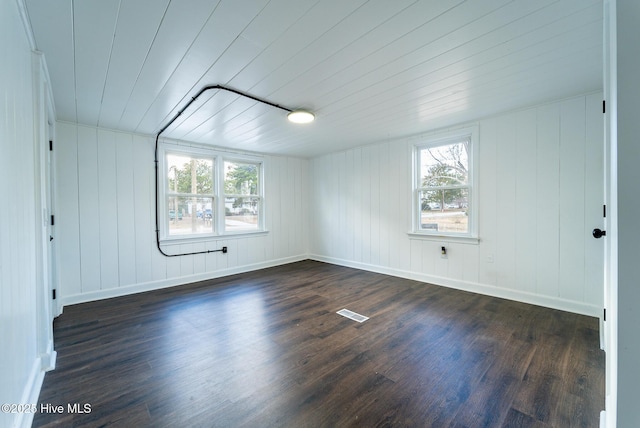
(164,85)
(145,61)
(73,42)
(350,106)
(271,73)
(195,85)
(106,74)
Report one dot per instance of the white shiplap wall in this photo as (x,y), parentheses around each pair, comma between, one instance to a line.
(540,191)
(20,363)
(106,210)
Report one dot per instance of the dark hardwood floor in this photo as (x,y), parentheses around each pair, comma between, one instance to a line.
(266,349)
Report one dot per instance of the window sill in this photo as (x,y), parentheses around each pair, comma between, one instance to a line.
(445,238)
(166,242)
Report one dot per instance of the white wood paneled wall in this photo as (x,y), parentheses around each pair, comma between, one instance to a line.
(20,363)
(106,219)
(540,191)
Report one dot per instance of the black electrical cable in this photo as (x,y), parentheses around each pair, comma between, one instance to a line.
(193,99)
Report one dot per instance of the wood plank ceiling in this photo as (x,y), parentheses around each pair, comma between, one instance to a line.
(370,70)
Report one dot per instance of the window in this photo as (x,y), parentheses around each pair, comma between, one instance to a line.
(190,194)
(444,194)
(242,200)
(204,193)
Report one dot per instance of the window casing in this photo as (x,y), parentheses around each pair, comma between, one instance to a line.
(242,196)
(444,185)
(196,198)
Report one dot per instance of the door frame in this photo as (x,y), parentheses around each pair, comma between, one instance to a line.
(44,128)
(610,320)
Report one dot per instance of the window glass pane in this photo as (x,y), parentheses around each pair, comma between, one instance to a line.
(444,210)
(190,215)
(446,165)
(240,178)
(189,175)
(241,214)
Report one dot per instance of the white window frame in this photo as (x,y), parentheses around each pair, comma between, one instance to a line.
(218,205)
(470,133)
(246,160)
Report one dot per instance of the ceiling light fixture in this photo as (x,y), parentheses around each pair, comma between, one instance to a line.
(301,116)
(296,116)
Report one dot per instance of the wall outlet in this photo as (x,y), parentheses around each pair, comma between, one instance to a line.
(443,253)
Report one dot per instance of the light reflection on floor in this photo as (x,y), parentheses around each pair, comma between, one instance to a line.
(235,316)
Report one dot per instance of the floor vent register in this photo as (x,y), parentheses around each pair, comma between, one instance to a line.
(352,315)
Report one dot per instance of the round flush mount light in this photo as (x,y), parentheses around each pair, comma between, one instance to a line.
(300,116)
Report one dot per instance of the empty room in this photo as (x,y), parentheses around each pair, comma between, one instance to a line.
(311,213)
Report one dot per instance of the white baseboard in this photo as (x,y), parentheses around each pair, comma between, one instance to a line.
(489,290)
(166,283)
(58,308)
(31,392)
(30,395)
(48,359)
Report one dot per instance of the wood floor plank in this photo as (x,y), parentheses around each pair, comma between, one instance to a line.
(267,348)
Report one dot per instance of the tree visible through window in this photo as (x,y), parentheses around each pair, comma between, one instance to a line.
(209,193)
(443,187)
(242,196)
(190,194)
